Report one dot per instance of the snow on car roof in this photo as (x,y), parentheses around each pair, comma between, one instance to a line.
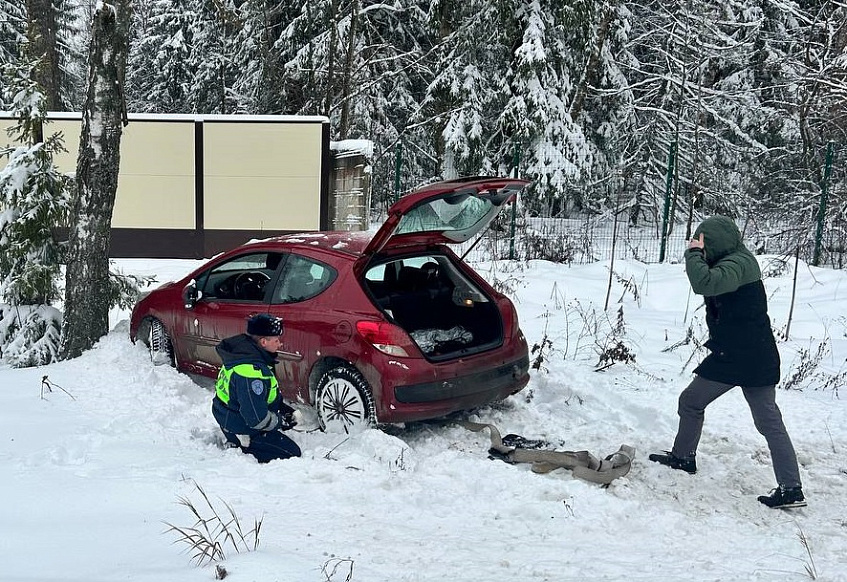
(352,243)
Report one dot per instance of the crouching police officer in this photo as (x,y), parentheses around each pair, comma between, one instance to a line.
(247,403)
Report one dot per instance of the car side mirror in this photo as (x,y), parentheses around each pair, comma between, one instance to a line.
(191,295)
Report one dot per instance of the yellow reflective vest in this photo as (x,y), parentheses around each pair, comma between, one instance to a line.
(245,371)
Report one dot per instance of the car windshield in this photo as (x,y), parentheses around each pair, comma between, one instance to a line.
(457,216)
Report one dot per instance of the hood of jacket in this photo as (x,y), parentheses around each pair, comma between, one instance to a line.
(243,349)
(721,237)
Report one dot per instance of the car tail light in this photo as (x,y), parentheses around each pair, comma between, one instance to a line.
(387,338)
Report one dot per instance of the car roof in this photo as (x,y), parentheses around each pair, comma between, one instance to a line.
(349,243)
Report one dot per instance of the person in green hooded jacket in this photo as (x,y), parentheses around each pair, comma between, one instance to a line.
(742,353)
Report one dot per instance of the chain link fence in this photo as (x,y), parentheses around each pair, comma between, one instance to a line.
(817,235)
(588,239)
(573,240)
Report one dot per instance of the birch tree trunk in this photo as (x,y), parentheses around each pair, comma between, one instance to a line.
(87,294)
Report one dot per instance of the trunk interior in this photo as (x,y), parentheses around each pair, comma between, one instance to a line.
(445,313)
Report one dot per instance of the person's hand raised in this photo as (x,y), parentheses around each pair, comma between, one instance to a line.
(696,243)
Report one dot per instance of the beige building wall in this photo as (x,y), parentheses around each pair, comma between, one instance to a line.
(262,176)
(69,128)
(156,180)
(257,175)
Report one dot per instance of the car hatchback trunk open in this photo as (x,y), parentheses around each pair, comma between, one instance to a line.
(382,327)
(445,314)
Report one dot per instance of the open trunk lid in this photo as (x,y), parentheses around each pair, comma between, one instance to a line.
(442,213)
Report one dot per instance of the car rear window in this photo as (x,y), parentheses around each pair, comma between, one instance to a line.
(453,216)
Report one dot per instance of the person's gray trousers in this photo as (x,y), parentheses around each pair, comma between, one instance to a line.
(766,416)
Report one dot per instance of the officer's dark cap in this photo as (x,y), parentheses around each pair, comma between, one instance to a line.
(264,325)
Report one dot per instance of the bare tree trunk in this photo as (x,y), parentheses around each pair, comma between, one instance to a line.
(347,74)
(591,72)
(445,16)
(330,73)
(87,294)
(42,31)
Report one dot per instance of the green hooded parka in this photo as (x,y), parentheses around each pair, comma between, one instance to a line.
(741,342)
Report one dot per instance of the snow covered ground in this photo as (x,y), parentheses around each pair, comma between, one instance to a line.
(89,482)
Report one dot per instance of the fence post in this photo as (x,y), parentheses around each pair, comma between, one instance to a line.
(822,208)
(668,185)
(398,157)
(516,162)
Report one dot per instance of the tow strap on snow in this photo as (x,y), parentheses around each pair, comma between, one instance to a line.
(582,464)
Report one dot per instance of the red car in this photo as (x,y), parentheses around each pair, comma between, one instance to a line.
(387,328)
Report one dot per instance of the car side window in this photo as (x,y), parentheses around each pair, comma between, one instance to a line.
(242,278)
(302,278)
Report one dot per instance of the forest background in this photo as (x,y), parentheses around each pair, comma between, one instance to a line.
(650,110)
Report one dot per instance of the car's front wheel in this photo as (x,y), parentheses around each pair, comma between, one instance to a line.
(159,343)
(344,400)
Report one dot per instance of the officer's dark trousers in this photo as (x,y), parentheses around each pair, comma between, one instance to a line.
(267,446)
(766,416)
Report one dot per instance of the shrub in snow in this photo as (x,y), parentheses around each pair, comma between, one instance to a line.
(214,531)
(29,334)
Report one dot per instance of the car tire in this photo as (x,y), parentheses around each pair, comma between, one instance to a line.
(159,344)
(344,400)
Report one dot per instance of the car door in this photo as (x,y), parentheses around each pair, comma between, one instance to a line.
(296,299)
(230,293)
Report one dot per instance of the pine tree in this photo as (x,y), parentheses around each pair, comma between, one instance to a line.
(212,58)
(803,61)
(690,108)
(161,70)
(603,106)
(362,64)
(33,199)
(502,89)
(465,88)
(12,38)
(541,85)
(259,86)
(51,33)
(42,35)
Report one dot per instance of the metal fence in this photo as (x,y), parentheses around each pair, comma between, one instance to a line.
(574,240)
(817,234)
(590,239)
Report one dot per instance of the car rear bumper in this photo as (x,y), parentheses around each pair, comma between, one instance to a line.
(425,400)
(497,380)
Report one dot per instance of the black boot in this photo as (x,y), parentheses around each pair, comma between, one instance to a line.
(687,464)
(784,497)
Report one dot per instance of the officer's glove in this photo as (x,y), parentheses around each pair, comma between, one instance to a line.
(287,421)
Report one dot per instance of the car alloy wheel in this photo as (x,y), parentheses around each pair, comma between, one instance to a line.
(344,400)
